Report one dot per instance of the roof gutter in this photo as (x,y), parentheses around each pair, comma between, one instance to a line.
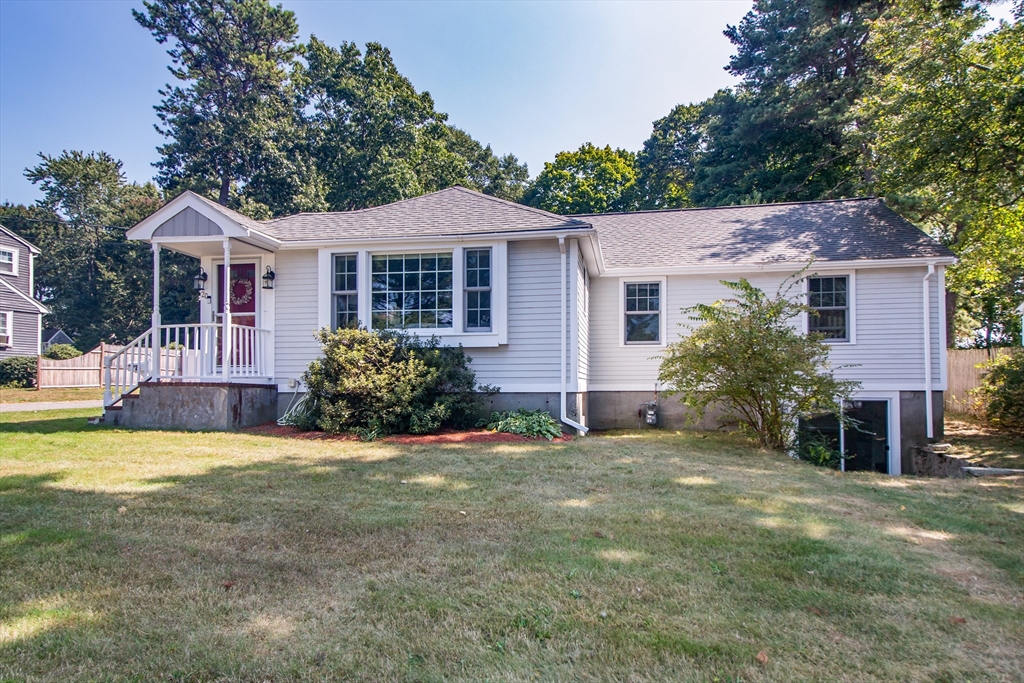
(560,233)
(564,345)
(787,266)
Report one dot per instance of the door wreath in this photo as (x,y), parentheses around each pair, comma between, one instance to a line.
(246,296)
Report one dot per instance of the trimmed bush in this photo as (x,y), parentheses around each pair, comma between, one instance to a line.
(61,352)
(531,423)
(1003,387)
(388,382)
(18,371)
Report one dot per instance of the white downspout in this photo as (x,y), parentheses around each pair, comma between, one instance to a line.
(928,408)
(564,316)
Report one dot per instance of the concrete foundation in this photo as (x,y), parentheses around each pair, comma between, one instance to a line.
(196,406)
(548,402)
(619,410)
(912,424)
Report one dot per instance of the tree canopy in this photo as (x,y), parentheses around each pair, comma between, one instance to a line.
(96,283)
(589,180)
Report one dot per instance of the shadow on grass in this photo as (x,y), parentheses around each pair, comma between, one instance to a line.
(324,554)
(28,423)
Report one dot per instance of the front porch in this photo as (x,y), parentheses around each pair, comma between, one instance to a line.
(217,373)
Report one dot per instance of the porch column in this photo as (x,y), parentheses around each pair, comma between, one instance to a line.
(225,292)
(155,331)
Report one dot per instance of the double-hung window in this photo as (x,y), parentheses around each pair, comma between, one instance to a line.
(8,262)
(643,312)
(829,299)
(6,323)
(411,290)
(346,302)
(478,290)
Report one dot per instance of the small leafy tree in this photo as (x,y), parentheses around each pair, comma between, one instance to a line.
(1004,388)
(747,357)
(387,382)
(61,352)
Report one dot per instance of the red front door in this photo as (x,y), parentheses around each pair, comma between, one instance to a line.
(242,292)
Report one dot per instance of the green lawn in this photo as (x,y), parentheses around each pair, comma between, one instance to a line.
(8,395)
(194,557)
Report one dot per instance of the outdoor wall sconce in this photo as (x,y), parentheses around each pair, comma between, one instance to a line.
(199,281)
(268,279)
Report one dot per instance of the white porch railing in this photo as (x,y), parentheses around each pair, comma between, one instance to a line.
(189,353)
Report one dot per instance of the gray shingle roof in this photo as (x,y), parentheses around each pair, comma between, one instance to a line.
(840,230)
(454,211)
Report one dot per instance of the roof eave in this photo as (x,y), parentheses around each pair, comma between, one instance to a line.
(780,266)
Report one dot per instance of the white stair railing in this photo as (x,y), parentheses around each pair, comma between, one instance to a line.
(190,353)
(128,368)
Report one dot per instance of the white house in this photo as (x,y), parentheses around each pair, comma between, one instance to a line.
(563,312)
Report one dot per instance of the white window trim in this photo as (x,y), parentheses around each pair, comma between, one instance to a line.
(465,289)
(851,304)
(9,325)
(662,316)
(336,292)
(451,336)
(14,262)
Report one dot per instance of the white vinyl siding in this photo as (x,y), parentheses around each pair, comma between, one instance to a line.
(889,353)
(582,321)
(295,291)
(529,362)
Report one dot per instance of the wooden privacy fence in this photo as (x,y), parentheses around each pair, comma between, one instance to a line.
(964,376)
(84,371)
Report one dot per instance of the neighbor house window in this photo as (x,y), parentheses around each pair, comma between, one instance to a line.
(829,298)
(478,289)
(411,290)
(643,312)
(346,303)
(6,323)
(7,261)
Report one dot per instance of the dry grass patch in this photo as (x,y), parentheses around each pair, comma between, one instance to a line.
(641,557)
(976,440)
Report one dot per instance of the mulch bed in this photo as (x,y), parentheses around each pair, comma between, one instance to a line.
(443,436)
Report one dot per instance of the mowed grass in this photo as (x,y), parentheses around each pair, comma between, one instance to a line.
(628,557)
(9,395)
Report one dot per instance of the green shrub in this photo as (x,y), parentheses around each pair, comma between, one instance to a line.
(387,382)
(18,371)
(1003,387)
(61,352)
(531,423)
(818,449)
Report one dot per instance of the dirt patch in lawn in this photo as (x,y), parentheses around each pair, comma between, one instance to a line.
(441,437)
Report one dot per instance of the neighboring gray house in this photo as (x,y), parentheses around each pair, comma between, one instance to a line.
(567,313)
(51,336)
(21,316)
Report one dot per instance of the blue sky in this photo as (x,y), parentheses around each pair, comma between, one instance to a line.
(531,78)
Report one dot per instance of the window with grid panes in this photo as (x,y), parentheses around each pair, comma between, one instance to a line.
(643,313)
(829,298)
(346,300)
(411,290)
(478,290)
